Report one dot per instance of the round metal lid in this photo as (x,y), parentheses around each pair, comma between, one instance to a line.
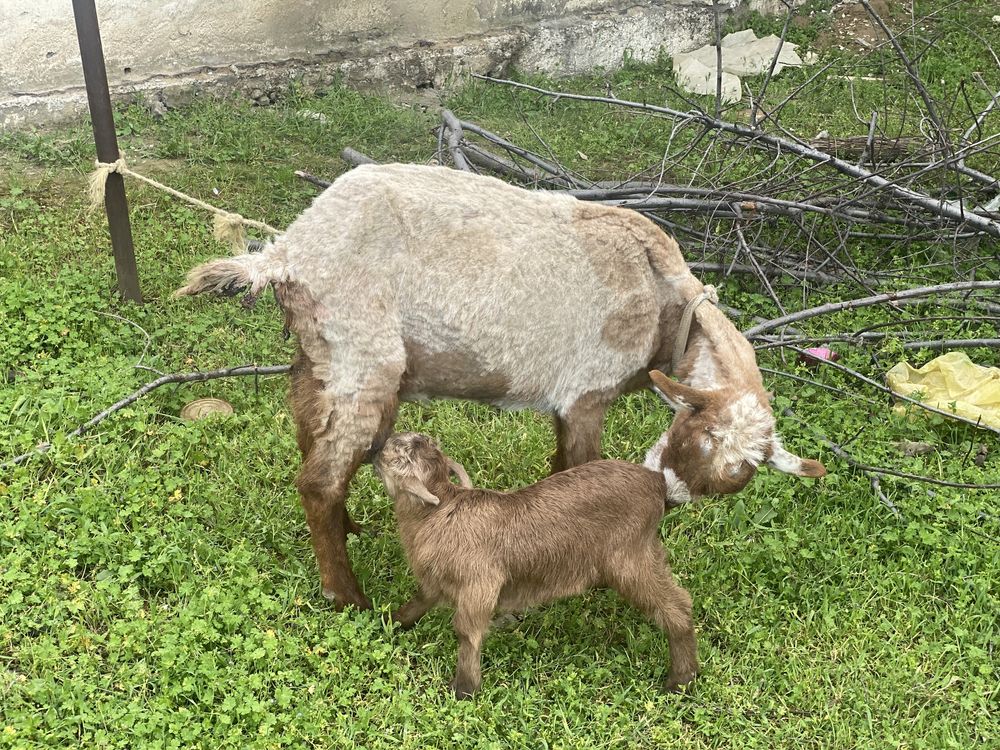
(203,407)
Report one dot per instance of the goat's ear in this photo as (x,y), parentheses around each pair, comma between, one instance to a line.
(459,471)
(677,395)
(789,463)
(415,488)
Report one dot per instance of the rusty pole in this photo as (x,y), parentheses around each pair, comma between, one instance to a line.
(95,76)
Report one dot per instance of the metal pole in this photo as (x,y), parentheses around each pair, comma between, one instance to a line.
(96,78)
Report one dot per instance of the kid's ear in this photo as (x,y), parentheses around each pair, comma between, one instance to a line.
(459,471)
(415,489)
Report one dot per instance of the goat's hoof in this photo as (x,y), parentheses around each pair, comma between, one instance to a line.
(357,600)
(463,690)
(680,683)
(358,530)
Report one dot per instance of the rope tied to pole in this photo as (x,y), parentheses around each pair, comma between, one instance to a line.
(99,178)
(227,227)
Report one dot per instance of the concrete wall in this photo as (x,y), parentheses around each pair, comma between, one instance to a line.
(163,51)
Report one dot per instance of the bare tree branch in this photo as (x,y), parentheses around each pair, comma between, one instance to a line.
(878,299)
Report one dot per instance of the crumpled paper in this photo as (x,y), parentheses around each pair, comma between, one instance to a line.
(952,383)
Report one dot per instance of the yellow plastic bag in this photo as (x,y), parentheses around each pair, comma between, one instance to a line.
(952,383)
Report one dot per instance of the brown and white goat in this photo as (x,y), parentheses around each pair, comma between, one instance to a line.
(408,282)
(481,551)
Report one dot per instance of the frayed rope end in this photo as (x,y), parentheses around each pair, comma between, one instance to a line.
(228,228)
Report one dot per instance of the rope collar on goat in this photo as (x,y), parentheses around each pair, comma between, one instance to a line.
(684,327)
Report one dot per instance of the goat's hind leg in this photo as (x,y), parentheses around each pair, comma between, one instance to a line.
(307,401)
(472,621)
(647,583)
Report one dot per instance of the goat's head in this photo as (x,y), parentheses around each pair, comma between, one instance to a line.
(717,440)
(410,462)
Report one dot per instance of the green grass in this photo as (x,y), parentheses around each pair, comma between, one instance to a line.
(157,586)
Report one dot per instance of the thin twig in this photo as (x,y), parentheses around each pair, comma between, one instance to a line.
(878,299)
(824,386)
(932,112)
(891,472)
(718,60)
(774,63)
(453,136)
(953,344)
(313,179)
(524,153)
(840,452)
(174,377)
(149,339)
(356,158)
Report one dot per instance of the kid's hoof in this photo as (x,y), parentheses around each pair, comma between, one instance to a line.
(403,623)
(462,690)
(680,683)
(357,529)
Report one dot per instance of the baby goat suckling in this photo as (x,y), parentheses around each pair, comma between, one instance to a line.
(480,551)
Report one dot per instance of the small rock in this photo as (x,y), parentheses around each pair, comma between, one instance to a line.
(312,115)
(980,459)
(910,448)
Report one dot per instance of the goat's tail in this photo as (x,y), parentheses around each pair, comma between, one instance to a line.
(229,276)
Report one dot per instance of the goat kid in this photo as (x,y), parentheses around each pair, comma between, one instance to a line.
(404,282)
(480,551)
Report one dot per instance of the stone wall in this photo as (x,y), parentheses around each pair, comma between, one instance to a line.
(162,52)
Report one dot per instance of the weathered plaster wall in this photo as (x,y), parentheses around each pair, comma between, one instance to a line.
(168,49)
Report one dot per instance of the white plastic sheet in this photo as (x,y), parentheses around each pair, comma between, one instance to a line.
(742,54)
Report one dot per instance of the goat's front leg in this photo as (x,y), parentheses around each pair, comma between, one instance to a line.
(578,431)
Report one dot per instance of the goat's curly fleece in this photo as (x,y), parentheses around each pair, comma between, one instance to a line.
(453,262)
